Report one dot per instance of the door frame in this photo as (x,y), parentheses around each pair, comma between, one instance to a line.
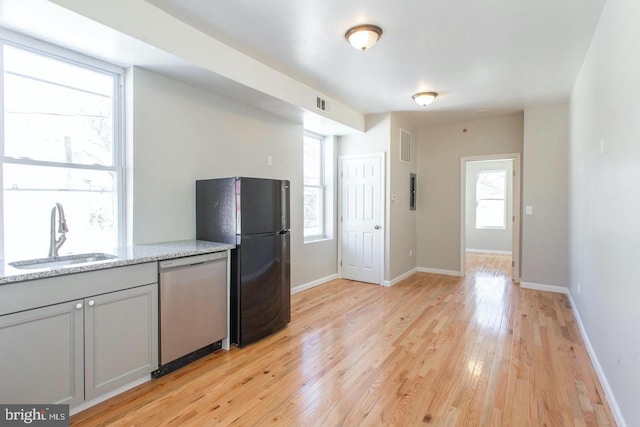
(516,201)
(383,219)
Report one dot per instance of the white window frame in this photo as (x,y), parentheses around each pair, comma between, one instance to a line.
(323,193)
(45,49)
(504,200)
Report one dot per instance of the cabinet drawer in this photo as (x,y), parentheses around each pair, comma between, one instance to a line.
(31,294)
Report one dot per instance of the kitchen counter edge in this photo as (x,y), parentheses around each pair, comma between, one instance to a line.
(128,255)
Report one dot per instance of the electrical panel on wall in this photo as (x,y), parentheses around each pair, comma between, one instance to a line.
(412,191)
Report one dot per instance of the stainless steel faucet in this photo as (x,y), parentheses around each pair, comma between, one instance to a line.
(56,243)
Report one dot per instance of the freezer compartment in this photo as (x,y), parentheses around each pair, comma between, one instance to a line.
(216,210)
(227,207)
(263,207)
(260,287)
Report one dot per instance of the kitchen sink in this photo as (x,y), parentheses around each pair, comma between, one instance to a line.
(61,261)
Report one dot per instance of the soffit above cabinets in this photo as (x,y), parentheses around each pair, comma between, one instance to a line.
(113,31)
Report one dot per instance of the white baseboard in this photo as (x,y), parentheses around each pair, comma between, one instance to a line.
(438,271)
(313,284)
(547,288)
(88,404)
(389,283)
(611,399)
(488,251)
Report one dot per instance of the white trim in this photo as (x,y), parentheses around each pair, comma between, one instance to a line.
(317,240)
(313,284)
(89,403)
(438,271)
(322,233)
(389,283)
(488,251)
(517,196)
(611,399)
(546,288)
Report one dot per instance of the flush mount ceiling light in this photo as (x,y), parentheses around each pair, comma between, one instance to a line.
(424,98)
(362,37)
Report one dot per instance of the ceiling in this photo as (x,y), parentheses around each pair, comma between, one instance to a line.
(486,58)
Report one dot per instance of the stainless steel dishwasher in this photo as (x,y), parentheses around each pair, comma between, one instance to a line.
(193,308)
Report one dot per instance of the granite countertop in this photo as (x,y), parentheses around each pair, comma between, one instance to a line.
(127,255)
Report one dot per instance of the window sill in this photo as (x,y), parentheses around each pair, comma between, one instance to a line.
(317,239)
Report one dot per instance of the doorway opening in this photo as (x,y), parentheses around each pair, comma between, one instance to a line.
(490,212)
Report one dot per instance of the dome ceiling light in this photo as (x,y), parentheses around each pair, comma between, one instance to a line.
(362,37)
(424,98)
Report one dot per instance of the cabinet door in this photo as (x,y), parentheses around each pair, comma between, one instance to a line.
(121,338)
(41,355)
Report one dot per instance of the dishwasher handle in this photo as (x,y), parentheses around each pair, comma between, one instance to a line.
(191,260)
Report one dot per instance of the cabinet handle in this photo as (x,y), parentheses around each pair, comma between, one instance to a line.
(79,306)
(92,303)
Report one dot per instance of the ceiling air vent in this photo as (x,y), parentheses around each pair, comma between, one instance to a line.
(321,104)
(405,146)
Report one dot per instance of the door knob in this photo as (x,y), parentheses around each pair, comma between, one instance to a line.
(377,227)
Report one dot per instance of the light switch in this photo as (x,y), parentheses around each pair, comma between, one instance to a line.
(528,210)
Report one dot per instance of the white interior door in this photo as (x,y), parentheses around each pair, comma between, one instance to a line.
(362,217)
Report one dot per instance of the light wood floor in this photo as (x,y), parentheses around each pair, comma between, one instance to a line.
(432,350)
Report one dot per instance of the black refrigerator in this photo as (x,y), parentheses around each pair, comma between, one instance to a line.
(253,214)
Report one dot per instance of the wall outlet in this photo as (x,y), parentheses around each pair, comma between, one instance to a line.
(528,210)
(269,160)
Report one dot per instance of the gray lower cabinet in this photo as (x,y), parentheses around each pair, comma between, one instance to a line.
(75,351)
(121,339)
(42,353)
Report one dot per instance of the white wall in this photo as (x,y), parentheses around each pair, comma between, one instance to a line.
(383,136)
(179,134)
(545,252)
(439,151)
(604,222)
(376,139)
(488,239)
(402,230)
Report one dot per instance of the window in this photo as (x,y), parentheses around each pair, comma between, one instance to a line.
(62,143)
(490,199)
(314,187)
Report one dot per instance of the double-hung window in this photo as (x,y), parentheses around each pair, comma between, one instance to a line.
(314,187)
(62,142)
(490,199)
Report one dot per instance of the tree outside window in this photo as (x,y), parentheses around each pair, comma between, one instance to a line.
(61,122)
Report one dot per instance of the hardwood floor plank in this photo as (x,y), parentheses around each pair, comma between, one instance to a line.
(432,350)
